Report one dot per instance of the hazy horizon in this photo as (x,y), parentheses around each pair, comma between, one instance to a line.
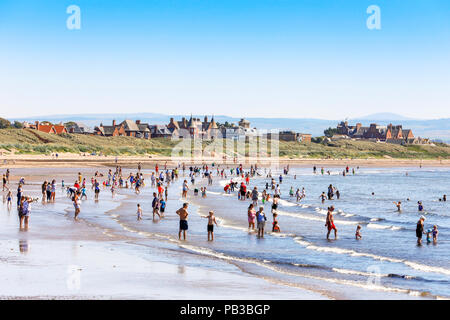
(374,116)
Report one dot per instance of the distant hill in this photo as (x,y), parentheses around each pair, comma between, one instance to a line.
(434,129)
(385,116)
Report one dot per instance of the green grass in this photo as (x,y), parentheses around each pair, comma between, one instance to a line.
(34,142)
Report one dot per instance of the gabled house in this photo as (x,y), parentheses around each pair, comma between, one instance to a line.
(162,131)
(47,127)
(131,128)
(79,128)
(396,134)
(390,133)
(60,128)
(144,130)
(194,128)
(128,128)
(114,130)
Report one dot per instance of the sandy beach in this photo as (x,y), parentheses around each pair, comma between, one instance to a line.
(67,160)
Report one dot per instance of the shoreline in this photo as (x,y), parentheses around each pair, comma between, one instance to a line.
(71,160)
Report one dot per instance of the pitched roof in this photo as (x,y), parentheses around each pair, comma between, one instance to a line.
(82,128)
(59,129)
(46,128)
(360,131)
(395,133)
(130,125)
(174,124)
(107,130)
(182,123)
(191,123)
(212,124)
(160,129)
(406,132)
(143,127)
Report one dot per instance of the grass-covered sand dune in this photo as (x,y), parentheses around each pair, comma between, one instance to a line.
(20,141)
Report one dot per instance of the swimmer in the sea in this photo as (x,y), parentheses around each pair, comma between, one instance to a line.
(358,235)
(398,205)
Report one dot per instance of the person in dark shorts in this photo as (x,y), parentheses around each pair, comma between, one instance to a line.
(96,189)
(419,230)
(182,212)
(211,221)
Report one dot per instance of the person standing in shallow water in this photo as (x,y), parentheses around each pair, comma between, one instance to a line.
(261,219)
(25,211)
(211,221)
(19,194)
(183,214)
(251,217)
(330,223)
(419,230)
(76,204)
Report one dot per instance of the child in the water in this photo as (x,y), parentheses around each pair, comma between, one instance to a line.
(162,206)
(435,233)
(419,205)
(276,227)
(139,212)
(429,233)
(9,199)
(358,235)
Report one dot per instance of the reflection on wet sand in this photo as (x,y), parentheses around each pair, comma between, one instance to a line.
(23,246)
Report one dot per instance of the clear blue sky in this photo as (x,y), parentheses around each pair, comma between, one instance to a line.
(270,58)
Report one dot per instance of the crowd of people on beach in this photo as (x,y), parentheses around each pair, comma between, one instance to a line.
(237,181)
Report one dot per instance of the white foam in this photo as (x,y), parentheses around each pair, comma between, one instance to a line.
(313,218)
(266,265)
(320,210)
(350,252)
(286,203)
(377,226)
